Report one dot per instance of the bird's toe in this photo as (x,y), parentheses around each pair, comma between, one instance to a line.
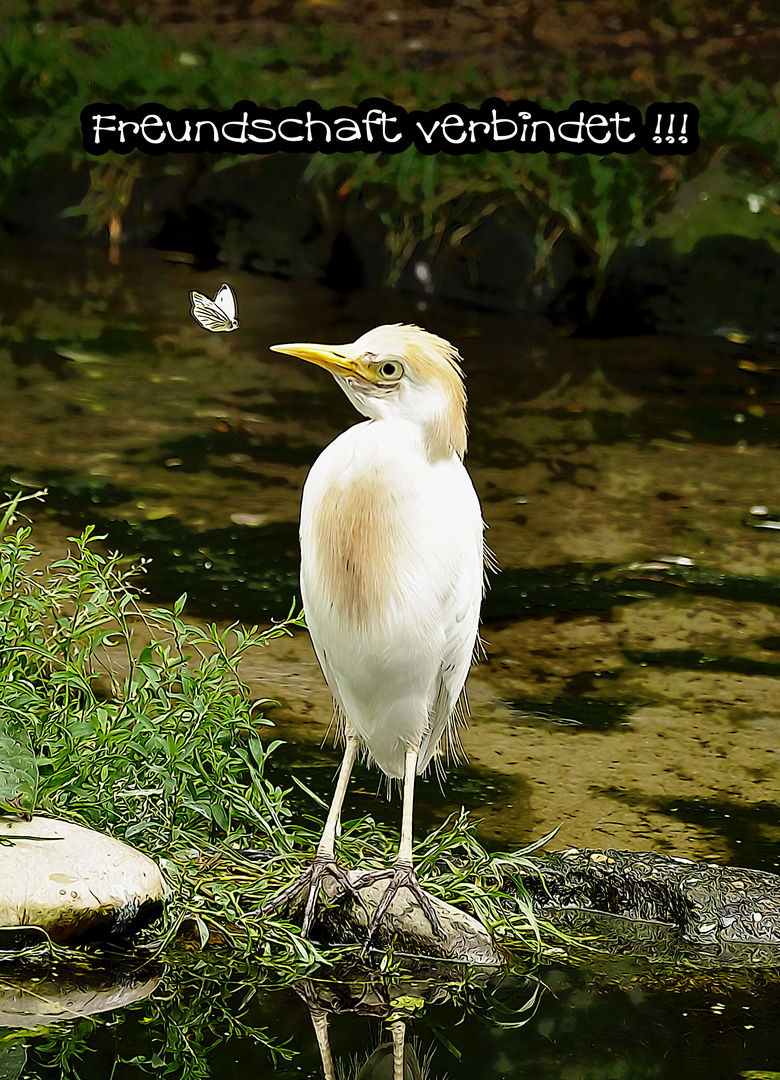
(312,878)
(402,876)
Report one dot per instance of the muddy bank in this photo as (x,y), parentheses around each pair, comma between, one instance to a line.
(610,244)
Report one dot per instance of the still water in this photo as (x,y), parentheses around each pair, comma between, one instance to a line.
(583,1028)
(630,689)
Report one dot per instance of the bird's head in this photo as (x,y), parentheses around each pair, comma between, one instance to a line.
(402,373)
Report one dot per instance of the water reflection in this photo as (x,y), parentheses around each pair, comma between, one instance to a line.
(609,1020)
(35,995)
(395,1003)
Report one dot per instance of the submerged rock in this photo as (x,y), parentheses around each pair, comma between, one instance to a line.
(704,901)
(73,882)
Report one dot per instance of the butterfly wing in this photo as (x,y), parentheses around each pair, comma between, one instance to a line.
(209,314)
(226,299)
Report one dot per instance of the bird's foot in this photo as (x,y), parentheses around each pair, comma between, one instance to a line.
(323,866)
(402,876)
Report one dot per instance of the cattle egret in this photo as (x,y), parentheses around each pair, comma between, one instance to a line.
(392,572)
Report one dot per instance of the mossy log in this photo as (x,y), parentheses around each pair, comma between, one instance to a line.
(706,902)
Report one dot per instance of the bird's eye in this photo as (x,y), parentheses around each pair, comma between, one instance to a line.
(390,371)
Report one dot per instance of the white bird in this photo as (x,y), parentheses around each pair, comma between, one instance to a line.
(392,573)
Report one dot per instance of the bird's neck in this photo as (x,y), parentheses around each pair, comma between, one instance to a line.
(445,434)
(435,438)
(437,434)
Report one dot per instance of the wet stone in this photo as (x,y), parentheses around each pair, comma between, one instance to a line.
(703,901)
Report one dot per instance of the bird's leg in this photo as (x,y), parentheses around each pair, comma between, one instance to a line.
(398,1029)
(325,860)
(320,1020)
(401,874)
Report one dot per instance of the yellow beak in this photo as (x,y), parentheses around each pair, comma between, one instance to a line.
(334,358)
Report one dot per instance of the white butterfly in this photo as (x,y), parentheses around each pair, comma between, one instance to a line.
(217,315)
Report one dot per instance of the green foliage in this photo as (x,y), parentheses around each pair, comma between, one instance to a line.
(49,70)
(600,203)
(140,722)
(19,773)
(137,723)
(200,1004)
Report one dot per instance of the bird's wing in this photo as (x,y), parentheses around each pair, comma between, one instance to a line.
(448,719)
(449,710)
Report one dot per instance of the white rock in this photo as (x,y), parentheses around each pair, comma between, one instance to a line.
(74,882)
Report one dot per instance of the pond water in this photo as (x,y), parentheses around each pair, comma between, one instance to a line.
(630,690)
(584,1024)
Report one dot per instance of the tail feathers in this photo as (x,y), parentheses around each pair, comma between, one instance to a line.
(442,744)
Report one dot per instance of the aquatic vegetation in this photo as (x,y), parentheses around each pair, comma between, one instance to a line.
(131,720)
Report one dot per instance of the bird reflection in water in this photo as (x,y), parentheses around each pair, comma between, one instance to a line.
(396,1057)
(393,1060)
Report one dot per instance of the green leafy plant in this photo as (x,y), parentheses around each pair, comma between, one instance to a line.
(600,204)
(133,721)
(135,703)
